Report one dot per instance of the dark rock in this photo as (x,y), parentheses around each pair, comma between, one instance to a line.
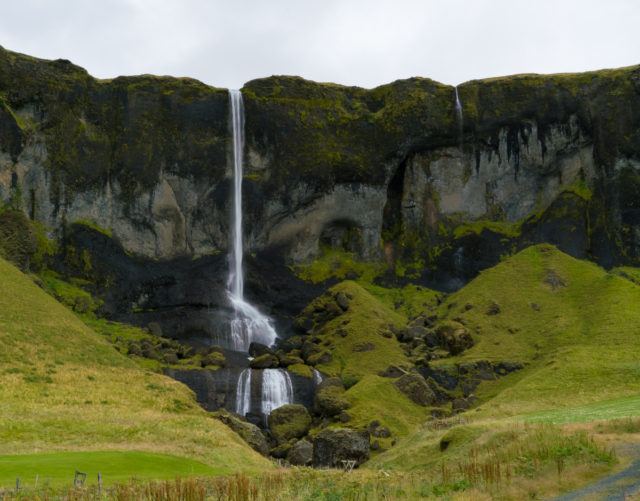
(381,432)
(481,369)
(300,453)
(171,357)
(266,361)
(462,404)
(155,328)
(249,432)
(329,399)
(375,445)
(323,357)
(535,306)
(281,451)
(392,371)
(288,422)
(344,417)
(361,347)
(334,445)
(257,349)
(468,386)
(287,360)
(308,349)
(342,332)
(441,376)
(455,337)
(332,311)
(373,425)
(554,280)
(416,388)
(503,368)
(342,300)
(292,343)
(493,308)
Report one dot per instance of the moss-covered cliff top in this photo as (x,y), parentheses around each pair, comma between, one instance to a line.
(131,128)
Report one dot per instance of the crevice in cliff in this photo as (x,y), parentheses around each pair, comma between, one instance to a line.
(392,212)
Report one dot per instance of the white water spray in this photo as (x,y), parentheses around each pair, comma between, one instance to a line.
(459,115)
(243,393)
(248,324)
(277,390)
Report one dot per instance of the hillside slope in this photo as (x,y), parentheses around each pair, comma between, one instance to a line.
(63,387)
(574,326)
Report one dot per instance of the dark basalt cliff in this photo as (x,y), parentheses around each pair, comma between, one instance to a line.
(392,173)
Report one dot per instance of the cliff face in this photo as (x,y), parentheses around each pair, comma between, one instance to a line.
(391,173)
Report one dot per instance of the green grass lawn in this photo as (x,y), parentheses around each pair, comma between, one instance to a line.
(607,409)
(58,469)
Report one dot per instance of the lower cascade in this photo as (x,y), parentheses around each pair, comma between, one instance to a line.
(277,390)
(243,393)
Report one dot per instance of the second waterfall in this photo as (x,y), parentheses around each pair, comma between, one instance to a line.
(248,324)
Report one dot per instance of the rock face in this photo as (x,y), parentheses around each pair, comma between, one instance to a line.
(334,445)
(385,173)
(250,433)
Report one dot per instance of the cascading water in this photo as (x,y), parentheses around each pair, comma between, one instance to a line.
(243,393)
(277,390)
(248,324)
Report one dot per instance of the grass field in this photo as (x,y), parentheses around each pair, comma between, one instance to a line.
(64,388)
(58,469)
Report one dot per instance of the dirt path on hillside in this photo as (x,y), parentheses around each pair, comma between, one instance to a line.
(621,486)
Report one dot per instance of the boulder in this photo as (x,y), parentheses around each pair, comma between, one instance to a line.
(342,301)
(416,388)
(249,432)
(213,359)
(454,336)
(323,357)
(287,359)
(258,349)
(329,399)
(289,421)
(300,453)
(392,371)
(334,445)
(266,361)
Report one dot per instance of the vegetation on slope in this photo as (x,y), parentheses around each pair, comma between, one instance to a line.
(575,327)
(65,388)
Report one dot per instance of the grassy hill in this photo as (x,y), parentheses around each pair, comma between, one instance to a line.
(575,326)
(65,388)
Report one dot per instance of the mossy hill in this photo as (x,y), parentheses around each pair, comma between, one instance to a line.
(65,388)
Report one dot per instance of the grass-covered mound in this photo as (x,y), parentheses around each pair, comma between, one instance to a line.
(574,326)
(65,388)
(360,343)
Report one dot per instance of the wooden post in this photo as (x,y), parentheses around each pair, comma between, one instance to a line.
(99,483)
(17,484)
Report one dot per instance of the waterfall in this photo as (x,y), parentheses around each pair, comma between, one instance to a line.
(277,390)
(243,393)
(248,324)
(459,115)
(317,377)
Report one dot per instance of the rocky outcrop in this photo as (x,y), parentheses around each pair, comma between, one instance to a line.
(332,446)
(289,421)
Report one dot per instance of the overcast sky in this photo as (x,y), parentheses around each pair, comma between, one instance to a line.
(355,42)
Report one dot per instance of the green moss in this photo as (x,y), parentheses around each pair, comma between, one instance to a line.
(93,226)
(68,294)
(376,398)
(289,421)
(301,370)
(366,322)
(505,228)
(339,265)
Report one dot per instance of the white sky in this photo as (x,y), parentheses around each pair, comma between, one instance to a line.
(356,42)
